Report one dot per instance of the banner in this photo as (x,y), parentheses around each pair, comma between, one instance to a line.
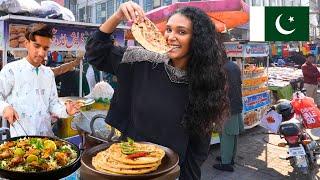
(65,38)
(256,50)
(234,50)
(256,101)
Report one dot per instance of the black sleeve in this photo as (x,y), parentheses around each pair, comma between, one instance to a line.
(197,153)
(102,54)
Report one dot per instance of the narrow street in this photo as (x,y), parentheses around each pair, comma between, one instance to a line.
(257,158)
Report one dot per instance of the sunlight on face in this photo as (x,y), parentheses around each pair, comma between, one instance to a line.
(178,35)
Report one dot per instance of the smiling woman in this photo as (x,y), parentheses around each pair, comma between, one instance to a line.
(169,99)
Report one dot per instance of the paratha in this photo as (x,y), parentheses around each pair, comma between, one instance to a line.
(149,36)
(143,158)
(103,159)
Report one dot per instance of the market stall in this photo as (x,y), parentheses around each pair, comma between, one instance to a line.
(69,37)
(253,60)
(283,81)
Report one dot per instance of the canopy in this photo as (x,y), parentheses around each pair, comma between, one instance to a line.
(225,14)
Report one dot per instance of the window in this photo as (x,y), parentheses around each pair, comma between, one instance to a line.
(287,3)
(156,3)
(257,3)
(148,5)
(110,8)
(167,2)
(183,0)
(272,3)
(118,2)
(89,14)
(100,13)
(81,14)
(136,1)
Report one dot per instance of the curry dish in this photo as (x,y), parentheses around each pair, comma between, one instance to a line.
(34,154)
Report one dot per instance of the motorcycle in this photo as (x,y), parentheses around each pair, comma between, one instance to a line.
(303,151)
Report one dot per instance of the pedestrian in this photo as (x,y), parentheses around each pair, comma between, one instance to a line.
(28,92)
(310,76)
(234,126)
(173,99)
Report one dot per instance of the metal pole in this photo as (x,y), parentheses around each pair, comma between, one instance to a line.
(80,78)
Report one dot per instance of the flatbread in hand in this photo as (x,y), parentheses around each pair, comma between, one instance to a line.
(149,36)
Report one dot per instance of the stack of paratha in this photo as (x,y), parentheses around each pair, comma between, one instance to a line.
(114,161)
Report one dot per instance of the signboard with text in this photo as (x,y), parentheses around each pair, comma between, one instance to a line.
(235,49)
(64,38)
(256,101)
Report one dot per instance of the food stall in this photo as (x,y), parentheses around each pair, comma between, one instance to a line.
(68,37)
(253,59)
(281,82)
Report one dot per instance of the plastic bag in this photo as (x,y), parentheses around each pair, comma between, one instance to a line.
(20,6)
(271,121)
(55,8)
(101,90)
(307,109)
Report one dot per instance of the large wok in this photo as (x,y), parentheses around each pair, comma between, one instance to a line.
(53,174)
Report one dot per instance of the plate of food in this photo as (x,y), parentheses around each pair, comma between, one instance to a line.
(149,36)
(130,160)
(38,157)
(79,100)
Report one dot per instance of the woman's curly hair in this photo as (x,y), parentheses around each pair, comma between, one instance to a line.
(208,103)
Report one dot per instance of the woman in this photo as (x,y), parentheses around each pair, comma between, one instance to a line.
(174,99)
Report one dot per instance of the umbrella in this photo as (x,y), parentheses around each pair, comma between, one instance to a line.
(225,14)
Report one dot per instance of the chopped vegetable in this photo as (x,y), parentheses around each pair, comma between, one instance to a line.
(137,155)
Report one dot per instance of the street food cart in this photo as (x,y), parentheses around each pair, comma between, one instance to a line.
(68,37)
(253,59)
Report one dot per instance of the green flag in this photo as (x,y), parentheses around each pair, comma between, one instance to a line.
(280,23)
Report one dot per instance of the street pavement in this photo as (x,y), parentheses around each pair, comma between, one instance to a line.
(257,159)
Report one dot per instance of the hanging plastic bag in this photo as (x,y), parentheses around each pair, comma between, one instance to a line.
(55,8)
(307,109)
(271,121)
(20,6)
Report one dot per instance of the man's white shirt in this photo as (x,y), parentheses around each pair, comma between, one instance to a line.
(32,92)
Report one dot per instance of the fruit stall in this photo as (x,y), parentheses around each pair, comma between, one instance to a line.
(253,59)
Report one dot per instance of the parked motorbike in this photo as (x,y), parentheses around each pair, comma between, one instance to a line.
(303,151)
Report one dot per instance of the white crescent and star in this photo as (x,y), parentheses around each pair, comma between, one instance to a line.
(279,27)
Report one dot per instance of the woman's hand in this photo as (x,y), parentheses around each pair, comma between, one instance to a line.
(129,11)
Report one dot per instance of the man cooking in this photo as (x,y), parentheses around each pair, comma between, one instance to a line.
(28,92)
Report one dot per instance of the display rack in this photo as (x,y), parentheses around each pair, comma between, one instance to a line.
(255,93)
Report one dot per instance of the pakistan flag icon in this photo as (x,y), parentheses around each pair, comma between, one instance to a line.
(279,23)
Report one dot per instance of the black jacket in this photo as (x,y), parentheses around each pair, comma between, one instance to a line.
(148,104)
(234,86)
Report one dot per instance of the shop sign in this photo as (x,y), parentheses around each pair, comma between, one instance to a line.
(233,50)
(64,38)
(256,50)
(70,39)
(256,101)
